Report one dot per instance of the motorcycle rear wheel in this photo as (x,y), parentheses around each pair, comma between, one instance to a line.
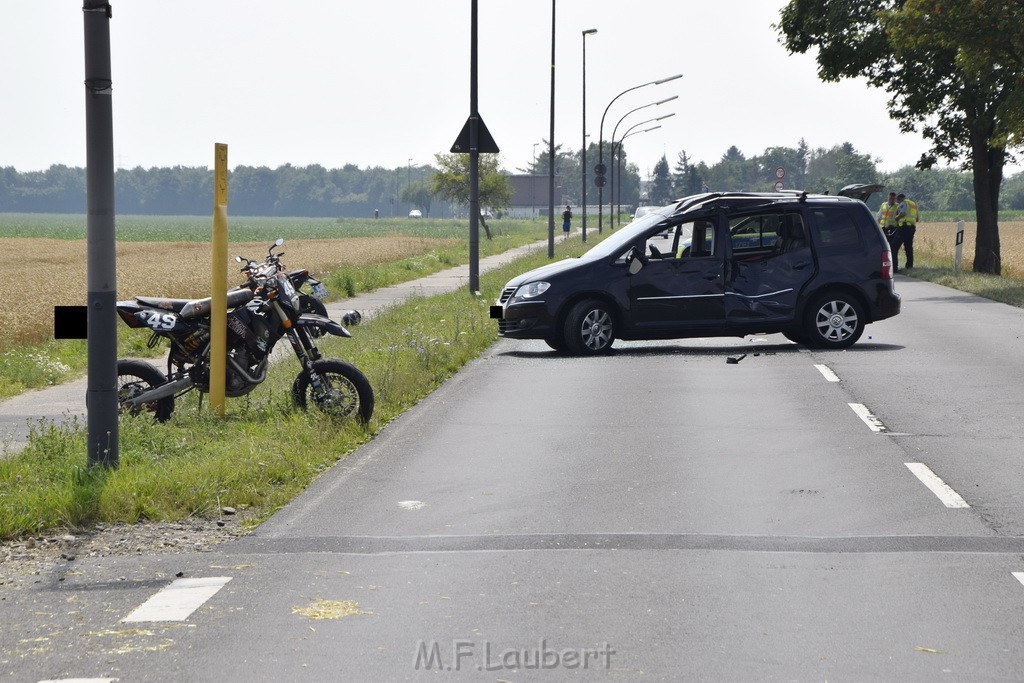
(347,392)
(135,377)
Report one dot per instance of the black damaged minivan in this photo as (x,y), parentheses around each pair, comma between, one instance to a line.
(816,268)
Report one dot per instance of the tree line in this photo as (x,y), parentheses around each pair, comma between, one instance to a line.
(350,191)
(820,170)
(252,190)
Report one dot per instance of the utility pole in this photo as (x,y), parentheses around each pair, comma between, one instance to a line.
(474,138)
(101,271)
(551,146)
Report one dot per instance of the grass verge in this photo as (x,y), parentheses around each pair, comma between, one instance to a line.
(930,268)
(264,452)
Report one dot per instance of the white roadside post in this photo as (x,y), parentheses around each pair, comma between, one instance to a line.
(959,255)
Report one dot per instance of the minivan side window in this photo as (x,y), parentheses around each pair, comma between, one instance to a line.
(767,233)
(683,240)
(698,239)
(836,228)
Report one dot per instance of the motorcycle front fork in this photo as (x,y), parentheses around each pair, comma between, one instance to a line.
(304,349)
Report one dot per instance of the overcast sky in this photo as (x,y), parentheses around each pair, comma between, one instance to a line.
(383,82)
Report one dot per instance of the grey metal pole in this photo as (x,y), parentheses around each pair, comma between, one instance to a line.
(551,146)
(583,158)
(101,271)
(474,161)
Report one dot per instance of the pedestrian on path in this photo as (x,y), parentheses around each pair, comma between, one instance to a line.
(566,220)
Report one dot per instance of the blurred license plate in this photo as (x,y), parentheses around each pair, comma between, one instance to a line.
(319,291)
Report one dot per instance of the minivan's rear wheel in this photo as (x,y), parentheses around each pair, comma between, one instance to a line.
(795,336)
(835,320)
(589,328)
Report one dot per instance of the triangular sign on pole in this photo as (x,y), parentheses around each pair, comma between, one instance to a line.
(486,144)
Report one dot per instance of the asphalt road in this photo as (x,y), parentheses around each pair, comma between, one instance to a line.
(657,514)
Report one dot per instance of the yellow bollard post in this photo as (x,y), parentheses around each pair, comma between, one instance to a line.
(219,281)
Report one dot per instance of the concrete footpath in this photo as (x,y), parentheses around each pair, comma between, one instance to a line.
(66,402)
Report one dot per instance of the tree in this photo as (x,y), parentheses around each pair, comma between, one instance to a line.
(419,194)
(661,188)
(451,182)
(953,68)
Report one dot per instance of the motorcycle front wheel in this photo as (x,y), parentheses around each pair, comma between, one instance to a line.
(133,378)
(344,391)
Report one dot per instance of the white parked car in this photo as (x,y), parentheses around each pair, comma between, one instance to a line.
(415,213)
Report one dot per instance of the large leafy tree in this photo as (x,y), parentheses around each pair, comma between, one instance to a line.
(451,182)
(954,69)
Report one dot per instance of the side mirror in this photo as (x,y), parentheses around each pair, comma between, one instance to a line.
(634,263)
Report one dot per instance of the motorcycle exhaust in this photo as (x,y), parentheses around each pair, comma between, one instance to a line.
(162,391)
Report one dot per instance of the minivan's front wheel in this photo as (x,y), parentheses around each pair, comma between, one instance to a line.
(834,320)
(589,328)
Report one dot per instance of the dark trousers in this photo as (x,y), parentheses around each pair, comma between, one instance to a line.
(894,235)
(904,236)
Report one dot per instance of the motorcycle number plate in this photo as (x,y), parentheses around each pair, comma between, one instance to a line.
(319,291)
(158,321)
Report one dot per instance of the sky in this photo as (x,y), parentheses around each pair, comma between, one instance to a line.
(386,82)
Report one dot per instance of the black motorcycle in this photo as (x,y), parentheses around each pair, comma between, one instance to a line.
(309,302)
(260,313)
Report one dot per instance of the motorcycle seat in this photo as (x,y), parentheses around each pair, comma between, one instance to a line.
(193,308)
(166,304)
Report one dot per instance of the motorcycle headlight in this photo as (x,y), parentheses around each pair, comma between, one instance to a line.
(529,291)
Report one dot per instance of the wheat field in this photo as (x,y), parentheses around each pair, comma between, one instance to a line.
(938,241)
(53,271)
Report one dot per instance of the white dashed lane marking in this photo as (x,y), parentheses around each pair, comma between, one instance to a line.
(178,600)
(947,495)
(870,420)
(827,373)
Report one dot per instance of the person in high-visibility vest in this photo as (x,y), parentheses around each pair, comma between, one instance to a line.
(907,221)
(886,218)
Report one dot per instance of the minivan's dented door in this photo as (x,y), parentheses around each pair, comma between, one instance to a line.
(765,281)
(684,287)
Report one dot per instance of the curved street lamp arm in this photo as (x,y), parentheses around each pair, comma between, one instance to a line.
(600,135)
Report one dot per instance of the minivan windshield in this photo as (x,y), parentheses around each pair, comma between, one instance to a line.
(620,241)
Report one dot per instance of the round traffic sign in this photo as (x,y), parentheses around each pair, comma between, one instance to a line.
(778,186)
(780,173)
(600,169)
(600,181)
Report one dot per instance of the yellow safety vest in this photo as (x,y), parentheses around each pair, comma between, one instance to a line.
(888,212)
(911,217)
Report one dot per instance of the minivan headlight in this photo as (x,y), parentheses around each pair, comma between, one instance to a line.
(529,291)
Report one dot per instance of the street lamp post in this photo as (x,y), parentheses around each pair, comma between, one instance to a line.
(619,152)
(583,158)
(619,173)
(611,185)
(600,137)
